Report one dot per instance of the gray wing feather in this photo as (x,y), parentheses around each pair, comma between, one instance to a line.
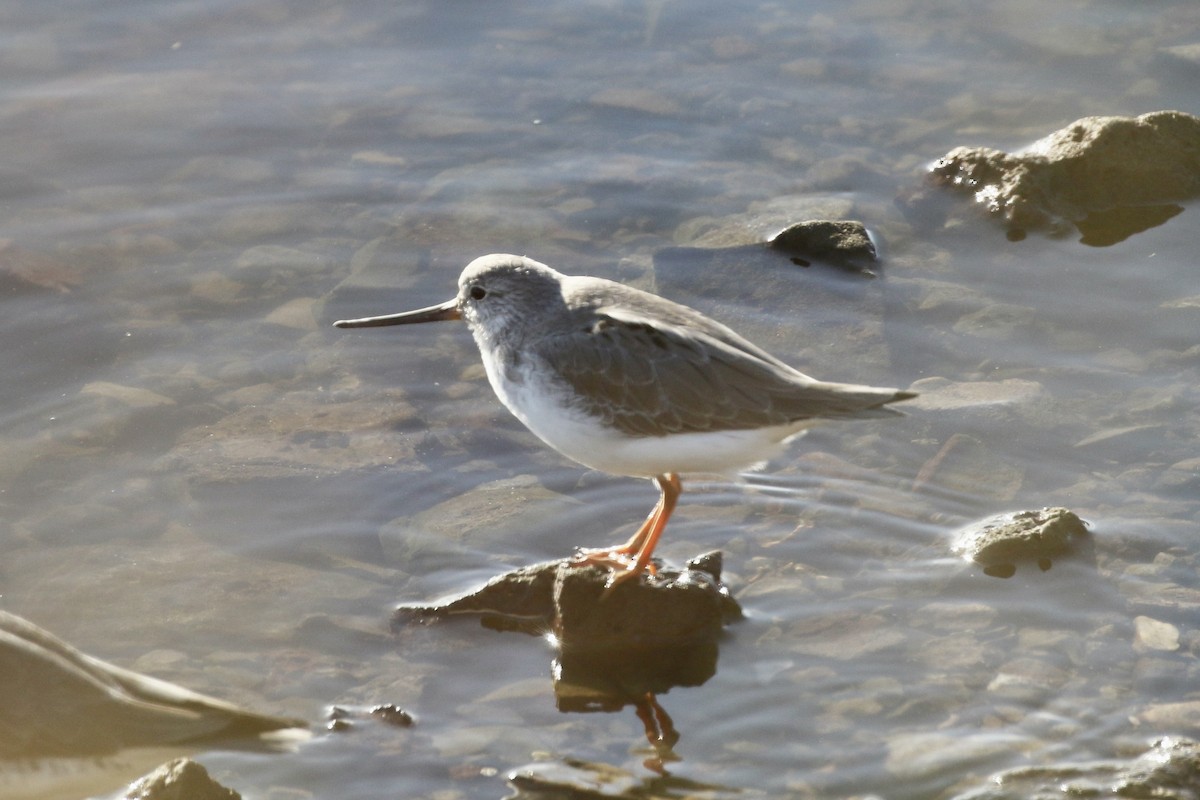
(649,378)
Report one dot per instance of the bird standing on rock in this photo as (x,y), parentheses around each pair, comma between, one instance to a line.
(630,383)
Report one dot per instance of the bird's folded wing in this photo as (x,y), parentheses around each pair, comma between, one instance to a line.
(647,378)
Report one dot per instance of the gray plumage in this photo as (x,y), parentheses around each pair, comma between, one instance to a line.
(640,363)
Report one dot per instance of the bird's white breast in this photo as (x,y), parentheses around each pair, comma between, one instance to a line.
(543,406)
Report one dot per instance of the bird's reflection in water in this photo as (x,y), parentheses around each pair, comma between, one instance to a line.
(613,680)
(618,646)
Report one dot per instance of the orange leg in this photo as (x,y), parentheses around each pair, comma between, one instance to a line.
(640,547)
(660,732)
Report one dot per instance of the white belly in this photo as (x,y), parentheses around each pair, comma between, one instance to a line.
(584,439)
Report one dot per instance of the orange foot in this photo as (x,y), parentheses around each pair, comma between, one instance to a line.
(622,565)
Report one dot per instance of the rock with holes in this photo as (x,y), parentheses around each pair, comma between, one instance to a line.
(1000,542)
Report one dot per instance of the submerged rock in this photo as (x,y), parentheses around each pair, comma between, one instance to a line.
(575,779)
(841,242)
(1110,177)
(344,718)
(1167,771)
(999,542)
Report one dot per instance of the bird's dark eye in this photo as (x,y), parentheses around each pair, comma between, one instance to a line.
(478,293)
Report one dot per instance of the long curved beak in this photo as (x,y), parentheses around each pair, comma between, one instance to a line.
(442,311)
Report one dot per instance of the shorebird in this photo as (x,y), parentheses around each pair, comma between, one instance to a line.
(630,383)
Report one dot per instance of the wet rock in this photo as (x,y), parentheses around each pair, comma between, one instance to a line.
(231,169)
(1181,478)
(998,321)
(760,222)
(1028,680)
(502,509)
(680,607)
(1184,54)
(393,715)
(644,100)
(181,779)
(918,756)
(843,242)
(274,263)
(297,314)
(965,464)
(1110,177)
(773,227)
(847,308)
(1114,437)
(1161,596)
(1157,675)
(574,779)
(342,718)
(845,637)
(1168,770)
(958,616)
(940,394)
(299,434)
(616,647)
(1153,634)
(1171,716)
(1188,302)
(728,262)
(21,268)
(131,396)
(999,542)
(518,600)
(215,287)
(379,158)
(673,606)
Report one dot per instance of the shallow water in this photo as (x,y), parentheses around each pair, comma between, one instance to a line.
(204,481)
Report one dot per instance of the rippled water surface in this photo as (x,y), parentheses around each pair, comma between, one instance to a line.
(204,481)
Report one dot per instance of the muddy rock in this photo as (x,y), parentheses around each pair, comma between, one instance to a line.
(1109,177)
